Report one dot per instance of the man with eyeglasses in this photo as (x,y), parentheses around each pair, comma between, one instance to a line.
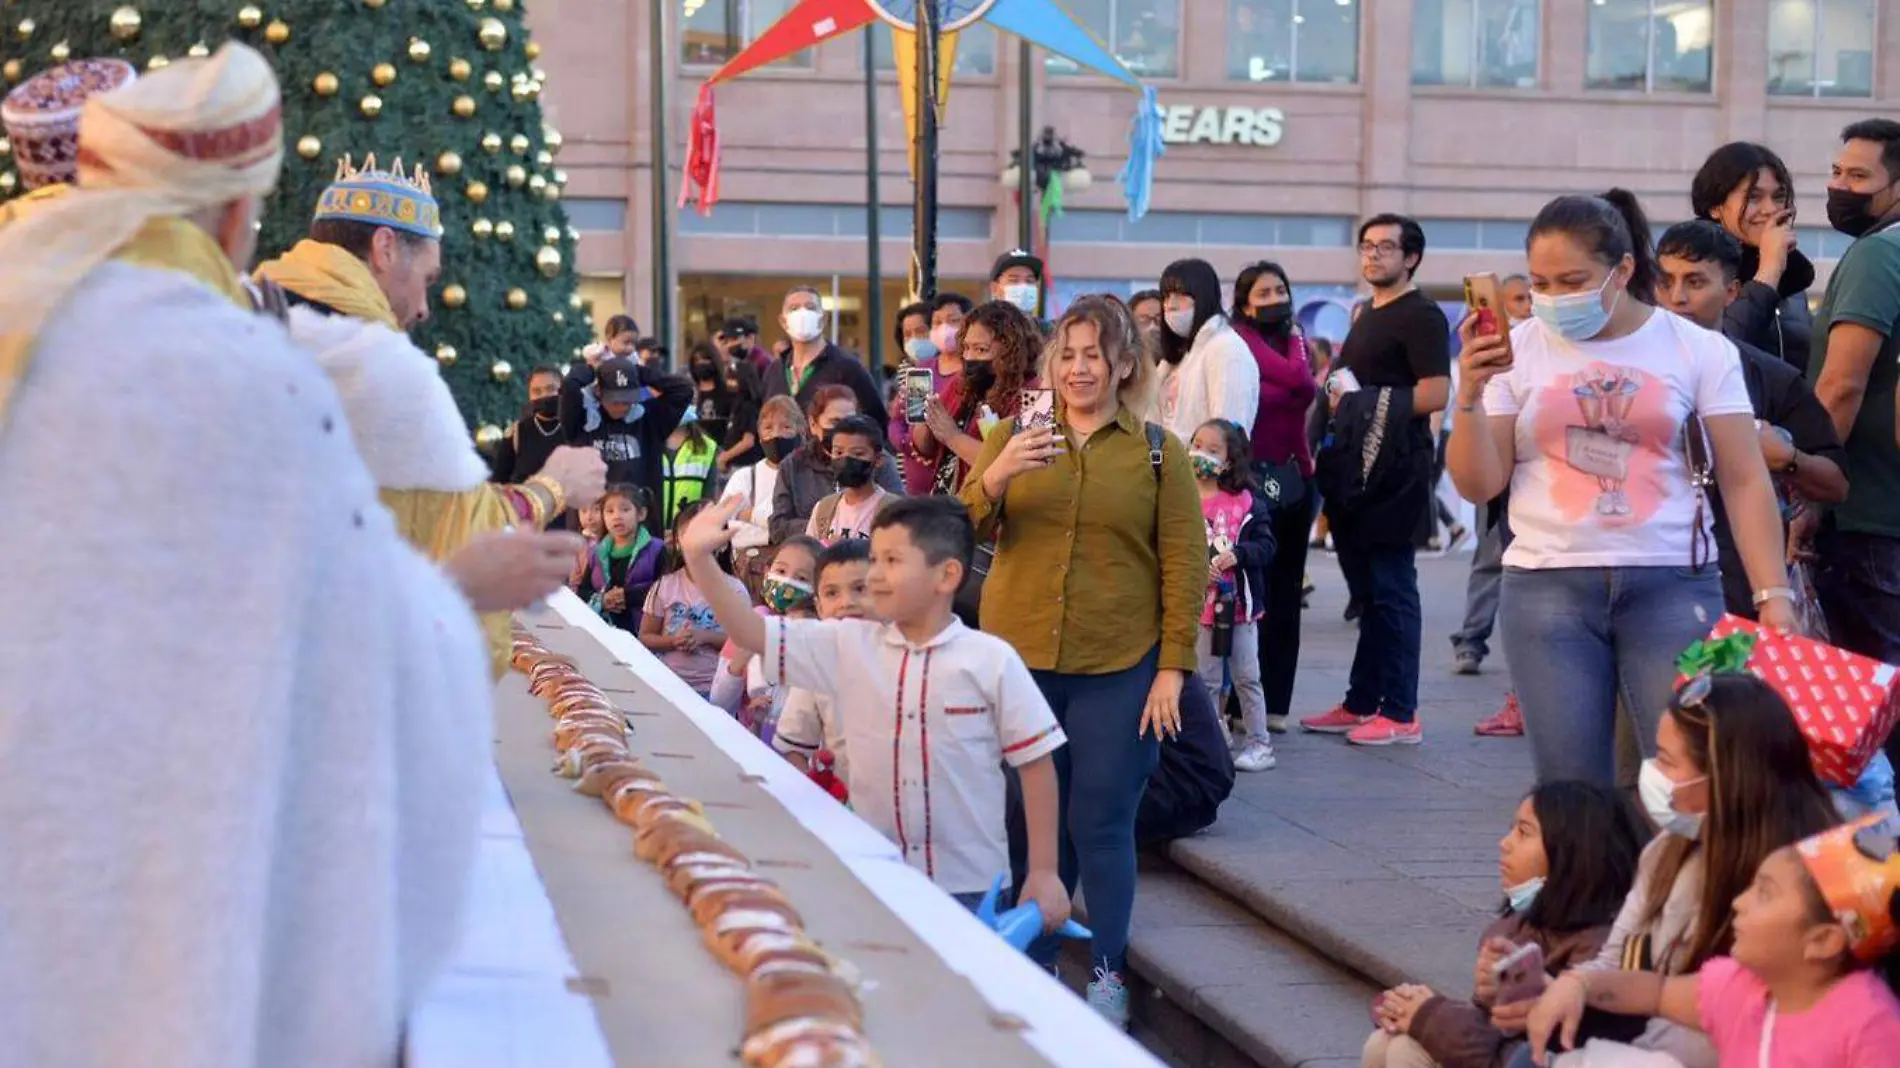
(1394,373)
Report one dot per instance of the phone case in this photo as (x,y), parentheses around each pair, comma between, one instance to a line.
(1038,410)
(916,395)
(1521,975)
(1485,297)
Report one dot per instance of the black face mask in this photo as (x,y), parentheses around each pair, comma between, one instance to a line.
(979,375)
(705,372)
(1849,212)
(853,473)
(546,407)
(777,449)
(739,351)
(1273,318)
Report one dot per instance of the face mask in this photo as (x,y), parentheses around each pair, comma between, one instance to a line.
(777,449)
(1659,796)
(853,473)
(1023,295)
(1180,320)
(1575,316)
(739,351)
(1521,895)
(804,324)
(782,595)
(1849,212)
(547,407)
(944,337)
(1273,318)
(979,376)
(705,372)
(920,349)
(1206,464)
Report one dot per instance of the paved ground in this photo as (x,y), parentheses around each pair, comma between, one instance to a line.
(1379,862)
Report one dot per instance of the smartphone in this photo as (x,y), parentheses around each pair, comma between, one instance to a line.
(1486,301)
(1038,410)
(1520,975)
(917,386)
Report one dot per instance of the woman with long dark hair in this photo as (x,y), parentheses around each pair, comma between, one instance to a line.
(1207,371)
(1000,347)
(1283,465)
(1745,187)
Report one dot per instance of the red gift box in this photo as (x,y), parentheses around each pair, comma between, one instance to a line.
(1846,704)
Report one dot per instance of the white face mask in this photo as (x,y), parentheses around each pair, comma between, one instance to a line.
(1180,320)
(1658,792)
(1023,295)
(1521,895)
(804,324)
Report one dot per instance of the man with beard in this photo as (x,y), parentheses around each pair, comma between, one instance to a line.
(1396,367)
(524,450)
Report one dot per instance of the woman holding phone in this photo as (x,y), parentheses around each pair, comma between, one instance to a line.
(1000,345)
(1589,416)
(1101,564)
(1745,187)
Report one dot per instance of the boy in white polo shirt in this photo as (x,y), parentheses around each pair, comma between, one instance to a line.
(930,708)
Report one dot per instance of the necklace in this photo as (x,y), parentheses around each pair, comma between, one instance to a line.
(547,433)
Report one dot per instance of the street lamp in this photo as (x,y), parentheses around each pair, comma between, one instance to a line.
(1052,161)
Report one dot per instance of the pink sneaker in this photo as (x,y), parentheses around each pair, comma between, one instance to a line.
(1508,723)
(1339,721)
(1382,731)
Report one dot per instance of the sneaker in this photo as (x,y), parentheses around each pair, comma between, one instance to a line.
(1276,724)
(1340,720)
(1108,995)
(1508,723)
(1382,731)
(1353,611)
(1466,662)
(1255,756)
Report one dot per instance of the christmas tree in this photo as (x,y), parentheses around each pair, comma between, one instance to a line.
(449,84)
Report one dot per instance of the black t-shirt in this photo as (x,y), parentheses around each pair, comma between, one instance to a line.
(714,408)
(1399,344)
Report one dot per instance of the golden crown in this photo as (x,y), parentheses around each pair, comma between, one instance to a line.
(382,197)
(418,179)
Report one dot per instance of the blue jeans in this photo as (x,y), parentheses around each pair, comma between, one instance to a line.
(1101,775)
(1578,638)
(1384,679)
(1481,594)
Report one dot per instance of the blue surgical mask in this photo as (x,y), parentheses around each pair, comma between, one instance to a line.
(1521,895)
(1575,316)
(920,348)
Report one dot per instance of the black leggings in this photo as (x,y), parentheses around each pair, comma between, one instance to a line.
(1286,578)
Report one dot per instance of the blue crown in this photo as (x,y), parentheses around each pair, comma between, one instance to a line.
(382,198)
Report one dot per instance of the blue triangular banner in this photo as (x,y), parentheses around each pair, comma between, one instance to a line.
(1045,23)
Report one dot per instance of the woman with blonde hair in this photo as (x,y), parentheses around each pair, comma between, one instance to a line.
(1101,563)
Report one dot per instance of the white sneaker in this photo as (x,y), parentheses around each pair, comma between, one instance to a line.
(1255,756)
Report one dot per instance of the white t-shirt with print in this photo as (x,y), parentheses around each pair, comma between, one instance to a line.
(1601,479)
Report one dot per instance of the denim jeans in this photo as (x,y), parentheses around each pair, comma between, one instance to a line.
(1102,773)
(1579,638)
(1857,578)
(1384,677)
(1481,594)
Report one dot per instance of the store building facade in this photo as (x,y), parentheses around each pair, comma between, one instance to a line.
(1287,121)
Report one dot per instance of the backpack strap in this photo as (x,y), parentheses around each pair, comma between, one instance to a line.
(1157,439)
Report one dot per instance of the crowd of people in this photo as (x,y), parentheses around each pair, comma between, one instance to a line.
(1031,608)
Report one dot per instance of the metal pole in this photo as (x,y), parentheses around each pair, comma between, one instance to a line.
(874,265)
(664,283)
(1025,143)
(924,224)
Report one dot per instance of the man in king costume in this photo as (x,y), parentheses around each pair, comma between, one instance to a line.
(356,285)
(243,725)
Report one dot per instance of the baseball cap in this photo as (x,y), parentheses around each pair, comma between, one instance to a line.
(739,326)
(618,381)
(1016,257)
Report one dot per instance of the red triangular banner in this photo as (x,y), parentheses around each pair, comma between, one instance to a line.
(802,27)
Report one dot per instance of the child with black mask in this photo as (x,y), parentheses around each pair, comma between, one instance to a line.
(781,431)
(856,447)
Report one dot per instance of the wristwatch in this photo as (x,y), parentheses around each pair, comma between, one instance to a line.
(1763,596)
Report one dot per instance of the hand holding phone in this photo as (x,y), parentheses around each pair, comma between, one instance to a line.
(1485,298)
(1520,975)
(917,389)
(1037,410)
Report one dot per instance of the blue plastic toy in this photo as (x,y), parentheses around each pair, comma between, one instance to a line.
(1020,925)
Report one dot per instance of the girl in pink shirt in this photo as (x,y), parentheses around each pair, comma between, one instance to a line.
(1798,991)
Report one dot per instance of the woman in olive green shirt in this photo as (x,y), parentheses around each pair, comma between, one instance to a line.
(1100,571)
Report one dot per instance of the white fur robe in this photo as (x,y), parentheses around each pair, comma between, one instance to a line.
(243,726)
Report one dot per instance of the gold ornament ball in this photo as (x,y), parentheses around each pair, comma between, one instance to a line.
(517,175)
(551,193)
(552,137)
(25,29)
(371,105)
(560,317)
(6,146)
(492,34)
(501,370)
(446,355)
(61,52)
(448,163)
(517,299)
(518,144)
(372,4)
(504,5)
(475,5)
(492,81)
(419,50)
(250,17)
(540,76)
(12,70)
(505,230)
(560,177)
(534,50)
(309,146)
(491,142)
(277,32)
(199,50)
(549,260)
(551,236)
(537,184)
(487,437)
(575,302)
(157,63)
(125,23)
(464,107)
(477,192)
(7,182)
(483,229)
(573,234)
(383,73)
(454,296)
(325,84)
(544,158)
(460,69)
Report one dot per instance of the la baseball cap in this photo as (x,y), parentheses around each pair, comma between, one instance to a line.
(618,381)
(1016,257)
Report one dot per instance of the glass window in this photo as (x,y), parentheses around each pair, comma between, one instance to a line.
(976,48)
(714,31)
(1144,34)
(1475,43)
(1293,40)
(1821,48)
(1650,45)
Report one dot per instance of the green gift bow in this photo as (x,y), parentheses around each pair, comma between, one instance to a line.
(1717,655)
